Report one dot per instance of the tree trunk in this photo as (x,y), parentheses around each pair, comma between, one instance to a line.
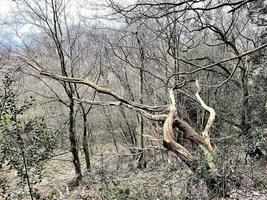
(85,143)
(216,184)
(141,161)
(245,113)
(73,144)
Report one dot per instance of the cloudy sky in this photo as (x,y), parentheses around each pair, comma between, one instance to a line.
(4,7)
(85,8)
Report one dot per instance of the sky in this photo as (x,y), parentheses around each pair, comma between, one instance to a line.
(83,7)
(4,11)
(4,7)
(7,36)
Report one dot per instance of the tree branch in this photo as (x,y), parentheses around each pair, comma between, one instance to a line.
(168,135)
(205,133)
(222,61)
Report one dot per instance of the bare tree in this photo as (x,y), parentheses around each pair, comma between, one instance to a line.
(63,40)
(187,53)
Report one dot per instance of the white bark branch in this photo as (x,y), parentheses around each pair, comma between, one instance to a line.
(211,111)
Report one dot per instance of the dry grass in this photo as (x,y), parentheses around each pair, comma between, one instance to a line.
(115,176)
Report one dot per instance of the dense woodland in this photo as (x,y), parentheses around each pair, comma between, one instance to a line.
(145,99)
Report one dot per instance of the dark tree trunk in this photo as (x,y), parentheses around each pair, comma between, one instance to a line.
(141,161)
(73,144)
(246,113)
(85,143)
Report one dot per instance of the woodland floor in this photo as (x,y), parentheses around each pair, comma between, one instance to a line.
(116,177)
